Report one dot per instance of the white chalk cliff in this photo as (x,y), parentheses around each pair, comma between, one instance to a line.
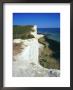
(26,63)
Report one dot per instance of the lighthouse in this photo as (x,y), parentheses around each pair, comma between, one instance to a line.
(35,31)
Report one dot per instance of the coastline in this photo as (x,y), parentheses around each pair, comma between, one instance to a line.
(32,55)
(34,68)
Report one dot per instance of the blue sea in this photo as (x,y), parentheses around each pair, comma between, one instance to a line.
(51,33)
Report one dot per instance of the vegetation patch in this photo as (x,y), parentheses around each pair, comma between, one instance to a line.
(22,32)
(46,58)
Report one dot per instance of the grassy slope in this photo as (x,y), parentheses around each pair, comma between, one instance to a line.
(48,57)
(23,32)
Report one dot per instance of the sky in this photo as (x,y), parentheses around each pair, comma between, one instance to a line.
(42,20)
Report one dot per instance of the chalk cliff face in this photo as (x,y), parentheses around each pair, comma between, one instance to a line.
(29,52)
(26,63)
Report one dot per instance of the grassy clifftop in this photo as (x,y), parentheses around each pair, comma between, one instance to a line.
(22,32)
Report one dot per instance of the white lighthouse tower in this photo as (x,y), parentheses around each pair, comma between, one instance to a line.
(35,31)
(37,36)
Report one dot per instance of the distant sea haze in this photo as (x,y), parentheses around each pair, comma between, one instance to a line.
(51,33)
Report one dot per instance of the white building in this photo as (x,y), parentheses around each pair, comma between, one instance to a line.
(35,31)
(37,36)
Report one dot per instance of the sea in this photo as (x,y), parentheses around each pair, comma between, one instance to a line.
(51,33)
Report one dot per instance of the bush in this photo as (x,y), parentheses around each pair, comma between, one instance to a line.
(30,36)
(27,36)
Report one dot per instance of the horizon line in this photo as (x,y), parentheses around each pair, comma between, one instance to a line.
(38,27)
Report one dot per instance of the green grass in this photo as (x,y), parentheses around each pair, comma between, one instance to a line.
(49,62)
(45,57)
(22,32)
(43,41)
